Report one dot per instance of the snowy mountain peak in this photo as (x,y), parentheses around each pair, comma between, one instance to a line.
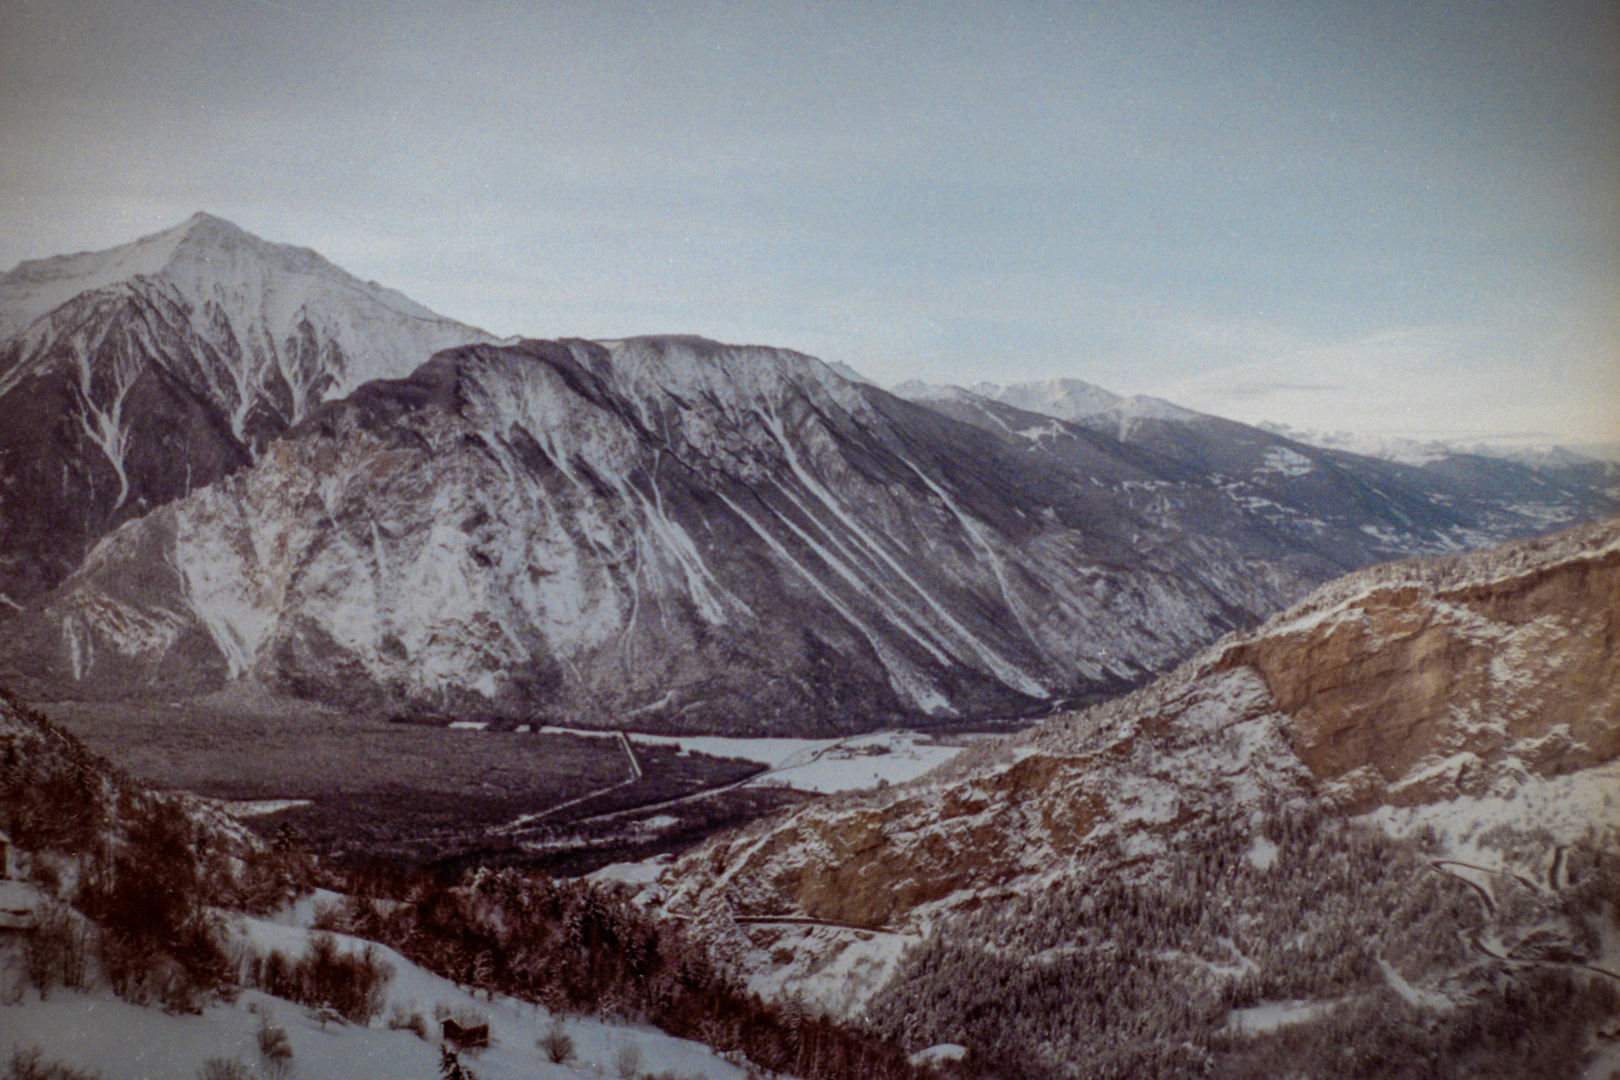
(37,286)
(919,391)
(132,375)
(1066,399)
(205,257)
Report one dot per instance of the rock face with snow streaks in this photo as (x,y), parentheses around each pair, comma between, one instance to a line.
(665,530)
(661,531)
(129,377)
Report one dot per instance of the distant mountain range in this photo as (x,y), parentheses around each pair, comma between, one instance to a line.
(1318,492)
(227,459)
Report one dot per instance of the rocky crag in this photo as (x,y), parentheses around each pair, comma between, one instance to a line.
(1413,682)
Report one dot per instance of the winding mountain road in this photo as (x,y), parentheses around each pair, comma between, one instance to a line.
(1440,865)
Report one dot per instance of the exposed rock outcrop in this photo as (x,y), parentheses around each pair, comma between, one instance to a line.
(1435,680)
(1415,681)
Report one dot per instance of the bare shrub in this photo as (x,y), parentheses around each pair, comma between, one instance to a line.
(275,1048)
(557,1043)
(28,1065)
(627,1062)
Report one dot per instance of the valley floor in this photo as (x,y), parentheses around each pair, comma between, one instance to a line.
(571,800)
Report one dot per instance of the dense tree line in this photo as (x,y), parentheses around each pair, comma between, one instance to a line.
(1137,973)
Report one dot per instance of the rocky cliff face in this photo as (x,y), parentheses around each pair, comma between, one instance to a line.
(667,532)
(130,377)
(1416,681)
(1422,682)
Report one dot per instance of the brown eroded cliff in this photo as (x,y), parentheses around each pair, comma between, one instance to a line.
(1410,682)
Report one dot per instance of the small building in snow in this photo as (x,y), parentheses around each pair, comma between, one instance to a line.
(19,900)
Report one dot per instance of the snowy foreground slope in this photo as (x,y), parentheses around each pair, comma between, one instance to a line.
(1439,683)
(145,934)
(99,1033)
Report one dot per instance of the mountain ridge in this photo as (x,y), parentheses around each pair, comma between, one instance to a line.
(707,535)
(651,474)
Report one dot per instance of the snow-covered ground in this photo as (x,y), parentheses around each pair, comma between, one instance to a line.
(1570,808)
(1276,1014)
(825,765)
(99,1033)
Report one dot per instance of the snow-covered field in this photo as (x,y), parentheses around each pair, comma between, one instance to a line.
(825,765)
(99,1033)
(1569,808)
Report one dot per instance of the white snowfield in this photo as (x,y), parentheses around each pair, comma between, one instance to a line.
(99,1033)
(825,765)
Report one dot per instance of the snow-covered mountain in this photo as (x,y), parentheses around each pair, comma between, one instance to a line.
(1066,399)
(687,534)
(131,376)
(1537,473)
(664,530)
(1408,684)
(694,536)
(1424,451)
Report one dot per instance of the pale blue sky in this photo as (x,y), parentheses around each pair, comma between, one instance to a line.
(1140,195)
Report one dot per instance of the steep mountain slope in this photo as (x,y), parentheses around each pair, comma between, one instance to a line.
(1406,683)
(129,377)
(667,531)
(1213,475)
